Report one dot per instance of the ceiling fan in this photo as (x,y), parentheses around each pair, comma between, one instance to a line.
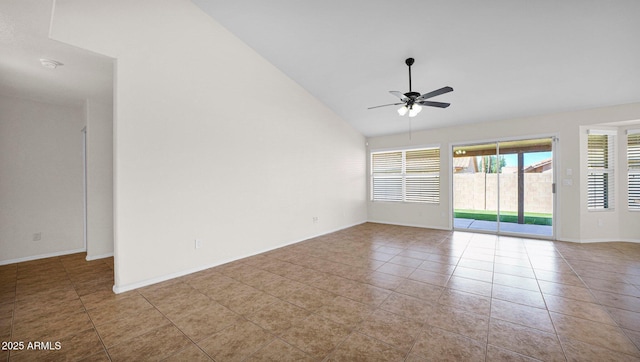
(412,102)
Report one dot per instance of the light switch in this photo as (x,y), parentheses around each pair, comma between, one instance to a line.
(569,172)
(567,182)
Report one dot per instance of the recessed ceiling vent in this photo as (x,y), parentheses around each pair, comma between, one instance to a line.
(50,63)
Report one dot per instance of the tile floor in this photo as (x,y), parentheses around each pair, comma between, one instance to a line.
(371,292)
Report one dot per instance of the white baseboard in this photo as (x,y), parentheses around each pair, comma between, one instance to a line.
(41,256)
(127,287)
(411,225)
(609,240)
(101,256)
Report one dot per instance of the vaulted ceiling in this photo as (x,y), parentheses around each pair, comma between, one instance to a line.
(505,59)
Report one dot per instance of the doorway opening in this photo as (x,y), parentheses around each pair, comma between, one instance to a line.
(505,187)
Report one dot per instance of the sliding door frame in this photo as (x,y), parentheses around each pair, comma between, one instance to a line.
(497,141)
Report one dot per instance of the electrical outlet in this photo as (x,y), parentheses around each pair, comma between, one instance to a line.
(315,219)
(198,243)
(37,236)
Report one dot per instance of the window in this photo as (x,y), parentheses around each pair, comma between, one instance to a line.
(406,175)
(600,166)
(633,164)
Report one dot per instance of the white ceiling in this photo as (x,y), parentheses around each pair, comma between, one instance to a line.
(504,58)
(24,40)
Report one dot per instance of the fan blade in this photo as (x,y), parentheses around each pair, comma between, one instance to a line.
(434,93)
(434,104)
(399,95)
(385,105)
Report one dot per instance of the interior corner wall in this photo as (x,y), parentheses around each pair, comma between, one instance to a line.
(99,117)
(573,221)
(212,142)
(41,188)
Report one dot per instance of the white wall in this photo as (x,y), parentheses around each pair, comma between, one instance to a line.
(99,116)
(573,222)
(40,179)
(211,142)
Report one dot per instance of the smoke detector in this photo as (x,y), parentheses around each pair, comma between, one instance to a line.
(50,63)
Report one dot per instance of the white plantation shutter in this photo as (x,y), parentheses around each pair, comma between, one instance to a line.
(387,176)
(633,164)
(600,166)
(422,175)
(407,175)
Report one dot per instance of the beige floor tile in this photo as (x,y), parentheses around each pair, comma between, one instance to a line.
(468,324)
(466,301)
(619,301)
(430,293)
(516,281)
(120,330)
(519,271)
(382,280)
(426,294)
(345,311)
(497,354)
(603,335)
(477,274)
(577,351)
(190,354)
(517,295)
(591,311)
(522,314)
(470,286)
(118,309)
(526,341)
(408,307)
(566,291)
(317,336)
(277,351)
(278,316)
(155,345)
(396,269)
(236,342)
(426,276)
(391,328)
(359,347)
(310,298)
(436,344)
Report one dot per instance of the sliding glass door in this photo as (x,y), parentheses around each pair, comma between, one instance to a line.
(504,187)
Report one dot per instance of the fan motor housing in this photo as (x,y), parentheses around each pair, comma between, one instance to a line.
(412,95)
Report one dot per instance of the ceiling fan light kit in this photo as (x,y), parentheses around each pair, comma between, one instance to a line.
(412,102)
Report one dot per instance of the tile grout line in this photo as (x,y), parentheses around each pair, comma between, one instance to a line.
(602,306)
(104,347)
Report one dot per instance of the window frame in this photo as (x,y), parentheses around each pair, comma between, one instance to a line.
(607,169)
(429,195)
(633,168)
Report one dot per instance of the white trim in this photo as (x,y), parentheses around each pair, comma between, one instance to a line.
(127,287)
(96,257)
(608,240)
(41,256)
(602,132)
(555,157)
(406,148)
(410,225)
(503,139)
(85,190)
